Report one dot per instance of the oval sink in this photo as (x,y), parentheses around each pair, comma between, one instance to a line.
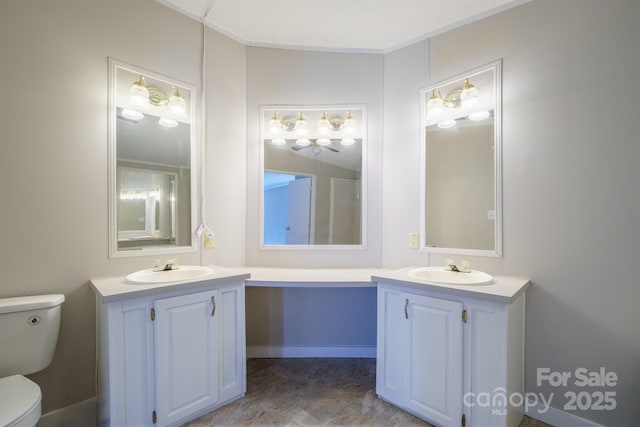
(440,275)
(185,272)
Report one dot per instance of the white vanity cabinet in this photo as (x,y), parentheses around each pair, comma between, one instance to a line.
(166,358)
(448,357)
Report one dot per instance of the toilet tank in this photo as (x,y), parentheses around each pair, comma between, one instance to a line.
(28,333)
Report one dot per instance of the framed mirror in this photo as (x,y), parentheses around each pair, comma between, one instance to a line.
(151,162)
(311,178)
(461,164)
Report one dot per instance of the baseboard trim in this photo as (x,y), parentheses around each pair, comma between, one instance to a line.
(80,414)
(268,351)
(558,417)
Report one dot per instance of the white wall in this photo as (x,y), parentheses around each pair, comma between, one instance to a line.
(571,204)
(53,167)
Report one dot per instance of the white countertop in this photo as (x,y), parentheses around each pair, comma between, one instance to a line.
(503,289)
(109,289)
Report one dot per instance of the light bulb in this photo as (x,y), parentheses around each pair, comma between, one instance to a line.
(349,126)
(469,95)
(348,141)
(435,104)
(177,105)
(324,127)
(139,94)
(132,114)
(303,142)
(167,122)
(302,127)
(275,126)
(278,141)
(447,124)
(323,141)
(479,115)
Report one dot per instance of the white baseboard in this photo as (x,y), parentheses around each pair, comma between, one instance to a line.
(558,417)
(262,351)
(81,414)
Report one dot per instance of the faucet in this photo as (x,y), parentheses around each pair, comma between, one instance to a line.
(464,267)
(170,265)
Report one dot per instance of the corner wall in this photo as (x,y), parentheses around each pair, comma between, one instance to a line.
(53,167)
(570,178)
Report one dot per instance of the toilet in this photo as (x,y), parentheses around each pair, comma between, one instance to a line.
(28,336)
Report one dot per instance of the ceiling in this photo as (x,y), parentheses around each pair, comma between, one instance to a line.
(375,26)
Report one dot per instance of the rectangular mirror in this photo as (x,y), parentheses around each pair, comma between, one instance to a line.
(312,176)
(151,162)
(461,206)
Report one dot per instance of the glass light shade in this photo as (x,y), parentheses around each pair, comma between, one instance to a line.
(177,105)
(323,141)
(348,141)
(303,142)
(302,127)
(132,114)
(435,105)
(324,127)
(447,124)
(479,115)
(139,94)
(278,141)
(349,127)
(168,123)
(275,127)
(469,95)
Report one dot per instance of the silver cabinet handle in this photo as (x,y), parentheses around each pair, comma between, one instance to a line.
(406,308)
(213,306)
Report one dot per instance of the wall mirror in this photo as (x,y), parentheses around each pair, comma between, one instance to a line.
(151,162)
(311,178)
(461,197)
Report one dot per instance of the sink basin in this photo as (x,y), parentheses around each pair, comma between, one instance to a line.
(185,272)
(440,275)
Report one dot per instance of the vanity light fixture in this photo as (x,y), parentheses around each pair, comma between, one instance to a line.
(469,95)
(302,127)
(167,122)
(479,115)
(328,129)
(132,114)
(446,124)
(349,126)
(177,104)
(435,105)
(139,94)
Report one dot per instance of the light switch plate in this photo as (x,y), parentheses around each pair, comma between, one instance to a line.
(209,240)
(414,240)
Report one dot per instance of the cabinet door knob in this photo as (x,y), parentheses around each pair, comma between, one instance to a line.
(213,306)
(406,308)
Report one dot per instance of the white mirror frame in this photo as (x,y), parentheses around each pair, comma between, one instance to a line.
(496,66)
(364,185)
(114,252)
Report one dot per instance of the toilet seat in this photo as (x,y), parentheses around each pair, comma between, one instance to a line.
(20,402)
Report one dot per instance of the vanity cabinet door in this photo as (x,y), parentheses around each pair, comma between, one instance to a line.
(186,348)
(233,364)
(420,357)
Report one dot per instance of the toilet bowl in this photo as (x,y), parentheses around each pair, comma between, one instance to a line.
(20,402)
(28,336)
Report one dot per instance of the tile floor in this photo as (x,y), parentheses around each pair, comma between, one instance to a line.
(313,392)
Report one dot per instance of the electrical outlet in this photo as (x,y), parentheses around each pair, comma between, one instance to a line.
(209,240)
(414,240)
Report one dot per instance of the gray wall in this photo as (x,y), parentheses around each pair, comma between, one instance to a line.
(569,144)
(571,205)
(53,167)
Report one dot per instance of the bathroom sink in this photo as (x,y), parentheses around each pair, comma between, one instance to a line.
(185,272)
(440,275)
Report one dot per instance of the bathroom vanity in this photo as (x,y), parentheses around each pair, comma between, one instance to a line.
(169,352)
(450,354)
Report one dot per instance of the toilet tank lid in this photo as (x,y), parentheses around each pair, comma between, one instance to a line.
(34,302)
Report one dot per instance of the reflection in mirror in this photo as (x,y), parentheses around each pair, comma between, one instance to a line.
(461,164)
(312,176)
(151,140)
